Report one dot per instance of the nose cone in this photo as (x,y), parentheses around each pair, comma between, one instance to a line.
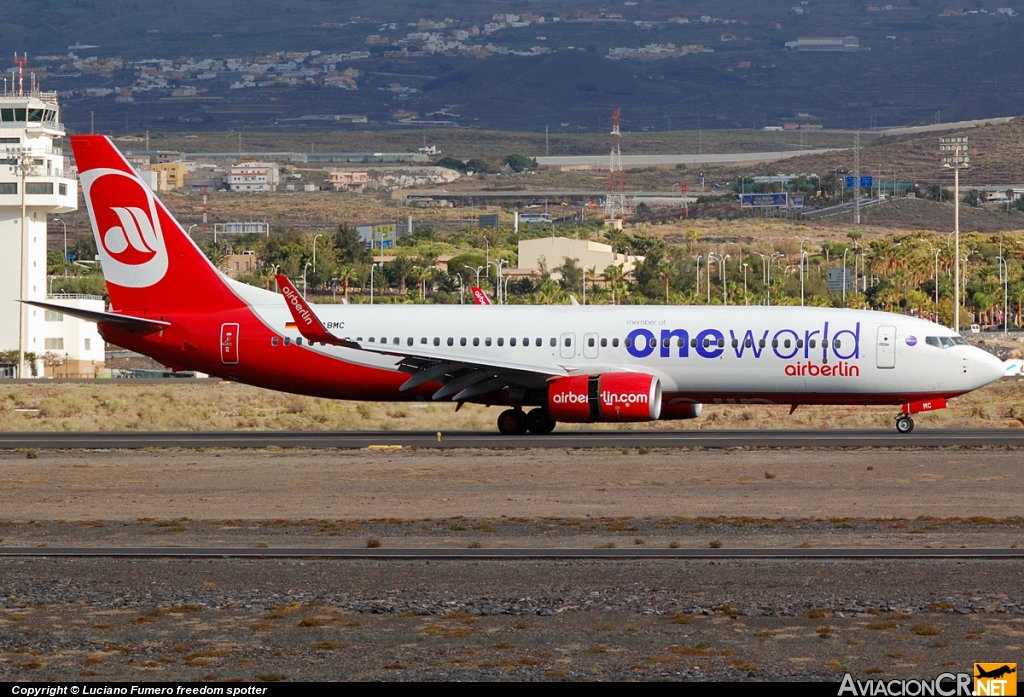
(987,368)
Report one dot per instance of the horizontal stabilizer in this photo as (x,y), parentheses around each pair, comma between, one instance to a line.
(139,325)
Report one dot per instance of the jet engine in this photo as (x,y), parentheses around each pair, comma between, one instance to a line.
(606,397)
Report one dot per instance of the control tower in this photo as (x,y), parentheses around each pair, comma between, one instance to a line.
(34,183)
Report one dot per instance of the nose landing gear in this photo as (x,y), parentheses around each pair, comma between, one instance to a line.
(904,424)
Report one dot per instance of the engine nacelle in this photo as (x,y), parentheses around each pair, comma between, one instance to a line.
(679,409)
(607,397)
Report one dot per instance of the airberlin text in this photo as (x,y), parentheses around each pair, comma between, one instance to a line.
(609,398)
(810,345)
(301,311)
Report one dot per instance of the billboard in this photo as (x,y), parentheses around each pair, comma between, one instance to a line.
(838,278)
(378,236)
(764,200)
(866,182)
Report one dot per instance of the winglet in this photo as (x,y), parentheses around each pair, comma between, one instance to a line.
(479,296)
(308,324)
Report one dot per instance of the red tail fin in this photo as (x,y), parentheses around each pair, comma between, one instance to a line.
(308,324)
(479,296)
(150,264)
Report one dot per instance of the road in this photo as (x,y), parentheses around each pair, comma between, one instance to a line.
(689,159)
(879,438)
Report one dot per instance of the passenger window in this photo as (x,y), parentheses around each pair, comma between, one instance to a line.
(501,341)
(666,342)
(628,343)
(487,341)
(836,343)
(512,341)
(735,343)
(437,341)
(615,343)
(721,343)
(693,343)
(540,342)
(590,342)
(273,341)
(476,341)
(287,341)
(462,341)
(383,340)
(707,342)
(786,343)
(680,342)
(775,343)
(568,341)
(760,343)
(811,343)
(799,343)
(451,341)
(423,339)
(654,342)
(298,341)
(604,343)
(396,341)
(371,340)
(526,341)
(747,343)
(409,341)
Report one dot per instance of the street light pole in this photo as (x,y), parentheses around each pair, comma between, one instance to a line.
(1005,273)
(957,148)
(60,219)
(304,277)
(585,267)
(314,250)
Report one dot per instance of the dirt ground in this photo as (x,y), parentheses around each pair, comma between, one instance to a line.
(310,619)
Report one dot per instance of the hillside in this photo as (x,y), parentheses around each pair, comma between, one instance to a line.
(997,157)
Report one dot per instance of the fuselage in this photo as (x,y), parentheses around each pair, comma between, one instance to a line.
(784,355)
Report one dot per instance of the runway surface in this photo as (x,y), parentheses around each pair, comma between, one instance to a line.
(509,553)
(880,438)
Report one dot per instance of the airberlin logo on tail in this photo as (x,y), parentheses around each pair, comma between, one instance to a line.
(301,311)
(127,227)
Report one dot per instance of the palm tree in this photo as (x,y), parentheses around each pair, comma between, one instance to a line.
(401,268)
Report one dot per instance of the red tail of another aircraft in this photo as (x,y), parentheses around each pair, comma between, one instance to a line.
(150,264)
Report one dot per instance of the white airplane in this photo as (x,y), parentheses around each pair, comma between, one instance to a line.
(564,363)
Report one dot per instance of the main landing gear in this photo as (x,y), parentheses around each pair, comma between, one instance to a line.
(516,422)
(904,424)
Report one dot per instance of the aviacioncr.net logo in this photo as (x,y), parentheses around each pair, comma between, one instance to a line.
(127,227)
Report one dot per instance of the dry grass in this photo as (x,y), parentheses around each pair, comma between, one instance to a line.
(182,406)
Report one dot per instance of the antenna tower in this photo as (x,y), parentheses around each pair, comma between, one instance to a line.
(20,62)
(615,198)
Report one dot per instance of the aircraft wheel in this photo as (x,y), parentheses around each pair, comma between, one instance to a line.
(904,424)
(512,422)
(539,421)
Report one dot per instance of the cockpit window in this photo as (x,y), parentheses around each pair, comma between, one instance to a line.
(947,341)
(960,341)
(932,341)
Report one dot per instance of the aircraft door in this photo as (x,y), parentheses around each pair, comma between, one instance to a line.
(229,343)
(567,345)
(885,351)
(590,346)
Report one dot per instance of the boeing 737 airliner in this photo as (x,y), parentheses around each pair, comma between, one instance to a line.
(564,363)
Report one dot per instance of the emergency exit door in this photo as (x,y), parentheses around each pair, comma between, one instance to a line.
(885,352)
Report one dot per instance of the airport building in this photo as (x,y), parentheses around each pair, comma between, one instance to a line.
(34,184)
(552,252)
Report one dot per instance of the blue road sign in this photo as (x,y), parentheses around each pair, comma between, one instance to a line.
(866,182)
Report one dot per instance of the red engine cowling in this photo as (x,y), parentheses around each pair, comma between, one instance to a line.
(607,397)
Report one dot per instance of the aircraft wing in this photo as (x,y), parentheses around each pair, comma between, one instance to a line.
(461,379)
(138,325)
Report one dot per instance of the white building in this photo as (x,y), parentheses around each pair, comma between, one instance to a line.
(72,347)
(552,252)
(254,176)
(34,183)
